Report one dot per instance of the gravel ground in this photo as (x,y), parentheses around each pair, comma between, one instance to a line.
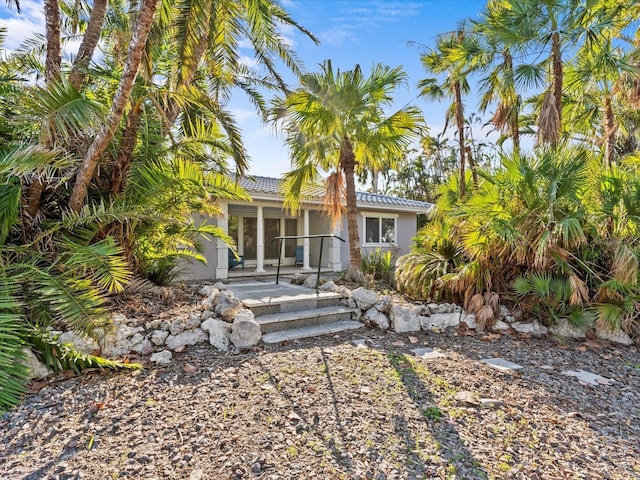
(326,408)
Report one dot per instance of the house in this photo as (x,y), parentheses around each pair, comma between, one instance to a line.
(383,221)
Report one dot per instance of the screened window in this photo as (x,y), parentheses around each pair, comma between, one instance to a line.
(379,230)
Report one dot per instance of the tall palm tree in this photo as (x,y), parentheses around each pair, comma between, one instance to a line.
(455,56)
(335,122)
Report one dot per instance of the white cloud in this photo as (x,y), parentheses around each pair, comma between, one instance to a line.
(20,26)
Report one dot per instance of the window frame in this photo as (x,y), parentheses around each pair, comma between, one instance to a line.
(379,216)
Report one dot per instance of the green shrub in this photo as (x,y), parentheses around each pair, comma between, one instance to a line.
(379,264)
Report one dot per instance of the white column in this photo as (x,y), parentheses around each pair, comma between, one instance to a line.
(334,251)
(283,232)
(305,257)
(260,241)
(222,250)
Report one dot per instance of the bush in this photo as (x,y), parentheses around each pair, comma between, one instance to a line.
(556,232)
(379,264)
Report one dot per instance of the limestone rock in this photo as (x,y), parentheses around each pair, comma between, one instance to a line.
(127,339)
(245,331)
(37,369)
(375,317)
(534,328)
(364,298)
(329,286)
(344,291)
(226,305)
(469,319)
(82,344)
(310,281)
(219,333)
(207,302)
(616,336)
(158,337)
(443,320)
(161,358)
(503,312)
(206,315)
(219,286)
(404,319)
(298,278)
(206,291)
(563,328)
(384,304)
(180,325)
(500,325)
(188,337)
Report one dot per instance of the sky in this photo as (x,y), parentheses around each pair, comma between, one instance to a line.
(364,32)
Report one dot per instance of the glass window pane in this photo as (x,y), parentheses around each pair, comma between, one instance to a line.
(250,237)
(372,230)
(290,230)
(271,231)
(233,228)
(389,230)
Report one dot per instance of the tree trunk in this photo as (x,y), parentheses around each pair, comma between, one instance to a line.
(348,163)
(52,67)
(460,125)
(100,143)
(556,60)
(472,165)
(122,165)
(610,132)
(375,177)
(89,41)
(54,56)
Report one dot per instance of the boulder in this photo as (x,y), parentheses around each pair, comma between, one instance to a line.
(158,337)
(226,305)
(207,302)
(500,325)
(503,312)
(180,325)
(404,318)
(344,291)
(219,333)
(245,331)
(219,286)
(310,281)
(375,317)
(37,369)
(206,291)
(206,315)
(126,339)
(534,328)
(469,319)
(161,358)
(364,298)
(565,329)
(616,336)
(80,343)
(329,286)
(188,337)
(443,320)
(297,278)
(384,304)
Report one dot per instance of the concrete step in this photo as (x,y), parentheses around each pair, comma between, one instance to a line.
(275,322)
(311,331)
(273,304)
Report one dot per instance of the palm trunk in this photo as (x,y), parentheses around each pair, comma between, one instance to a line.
(610,132)
(556,60)
(52,67)
(89,42)
(348,163)
(100,143)
(122,165)
(472,165)
(54,56)
(460,125)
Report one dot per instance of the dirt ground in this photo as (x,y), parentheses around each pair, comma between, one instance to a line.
(327,408)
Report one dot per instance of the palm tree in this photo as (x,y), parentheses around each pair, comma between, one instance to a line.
(455,56)
(335,122)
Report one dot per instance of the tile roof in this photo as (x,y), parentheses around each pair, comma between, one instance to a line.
(268,185)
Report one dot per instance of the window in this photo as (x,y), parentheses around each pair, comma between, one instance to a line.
(379,229)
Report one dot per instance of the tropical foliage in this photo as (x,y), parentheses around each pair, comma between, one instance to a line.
(105,164)
(335,122)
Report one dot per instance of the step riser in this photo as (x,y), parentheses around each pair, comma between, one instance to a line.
(293,306)
(303,322)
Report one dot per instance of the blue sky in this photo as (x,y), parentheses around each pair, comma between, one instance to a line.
(363,32)
(351,32)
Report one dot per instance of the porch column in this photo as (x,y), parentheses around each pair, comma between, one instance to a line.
(334,251)
(260,241)
(221,254)
(305,256)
